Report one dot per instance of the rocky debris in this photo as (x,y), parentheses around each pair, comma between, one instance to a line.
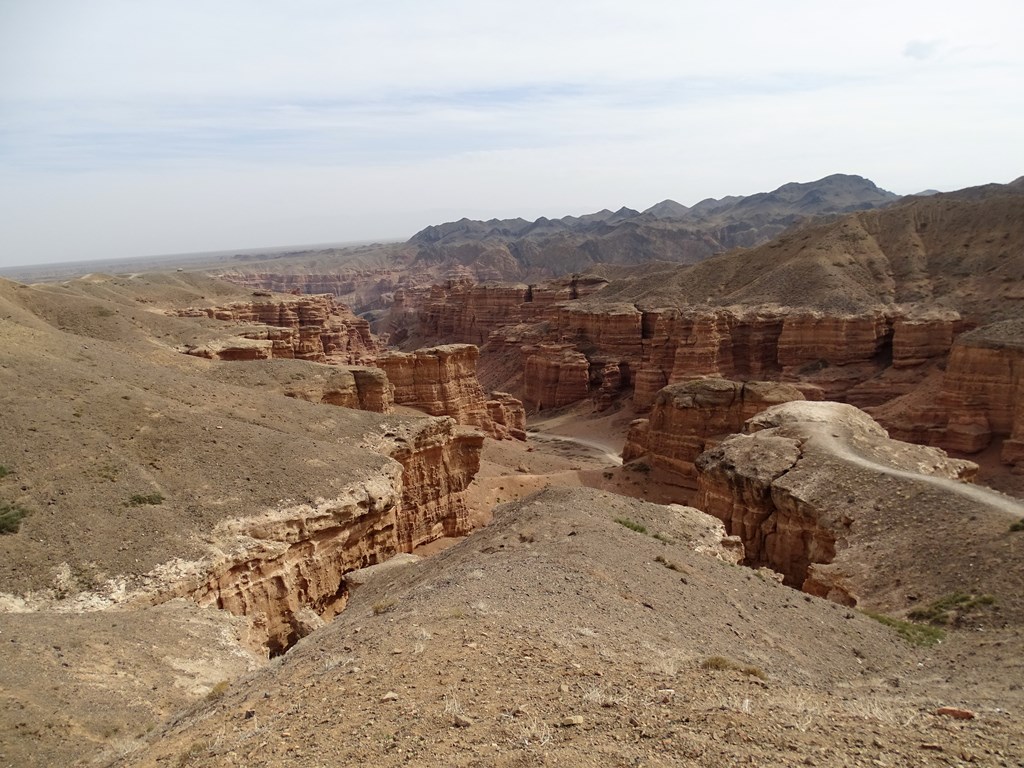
(957,713)
(688,416)
(315,328)
(442,381)
(818,492)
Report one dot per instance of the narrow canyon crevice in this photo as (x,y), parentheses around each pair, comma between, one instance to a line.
(284,570)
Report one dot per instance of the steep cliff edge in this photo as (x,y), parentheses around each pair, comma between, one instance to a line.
(978,400)
(818,492)
(688,416)
(442,381)
(315,328)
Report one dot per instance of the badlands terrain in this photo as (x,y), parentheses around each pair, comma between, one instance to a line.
(517,493)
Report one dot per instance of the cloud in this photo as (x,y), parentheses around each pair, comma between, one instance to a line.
(922,49)
(405,110)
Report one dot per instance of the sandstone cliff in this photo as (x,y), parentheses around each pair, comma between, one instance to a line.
(313,328)
(979,398)
(284,569)
(818,492)
(362,388)
(689,416)
(442,381)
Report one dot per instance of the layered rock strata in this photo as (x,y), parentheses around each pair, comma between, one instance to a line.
(315,328)
(463,311)
(818,492)
(284,569)
(365,389)
(442,381)
(979,400)
(689,416)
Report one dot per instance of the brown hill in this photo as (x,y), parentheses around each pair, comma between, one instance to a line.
(963,251)
(557,635)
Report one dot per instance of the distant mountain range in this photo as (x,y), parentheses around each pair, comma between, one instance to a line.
(667,231)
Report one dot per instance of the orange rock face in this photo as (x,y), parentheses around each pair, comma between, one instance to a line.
(980,397)
(554,375)
(462,311)
(313,328)
(439,462)
(802,489)
(689,416)
(365,389)
(285,569)
(442,381)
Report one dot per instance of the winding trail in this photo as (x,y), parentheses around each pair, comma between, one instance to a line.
(825,439)
(592,445)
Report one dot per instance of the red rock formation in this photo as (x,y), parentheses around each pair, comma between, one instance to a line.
(313,328)
(462,311)
(554,375)
(439,461)
(688,416)
(442,381)
(365,389)
(818,492)
(284,569)
(979,398)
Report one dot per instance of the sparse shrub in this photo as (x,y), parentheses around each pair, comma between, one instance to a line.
(663,538)
(217,691)
(639,466)
(11,516)
(721,664)
(4,471)
(145,499)
(608,475)
(948,609)
(1018,526)
(384,606)
(670,565)
(631,524)
(915,634)
(105,312)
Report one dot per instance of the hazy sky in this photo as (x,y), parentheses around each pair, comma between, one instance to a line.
(139,127)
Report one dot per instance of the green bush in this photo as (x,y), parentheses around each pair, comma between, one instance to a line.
(947,609)
(1018,526)
(4,471)
(633,526)
(915,634)
(145,499)
(11,516)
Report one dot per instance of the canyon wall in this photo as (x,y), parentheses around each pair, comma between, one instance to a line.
(689,416)
(315,328)
(979,398)
(442,381)
(616,349)
(284,569)
(818,492)
(365,389)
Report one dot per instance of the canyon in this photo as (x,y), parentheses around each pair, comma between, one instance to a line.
(367,521)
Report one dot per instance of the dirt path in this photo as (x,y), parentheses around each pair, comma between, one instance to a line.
(976,493)
(606,450)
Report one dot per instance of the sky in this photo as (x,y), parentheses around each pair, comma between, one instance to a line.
(143,127)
